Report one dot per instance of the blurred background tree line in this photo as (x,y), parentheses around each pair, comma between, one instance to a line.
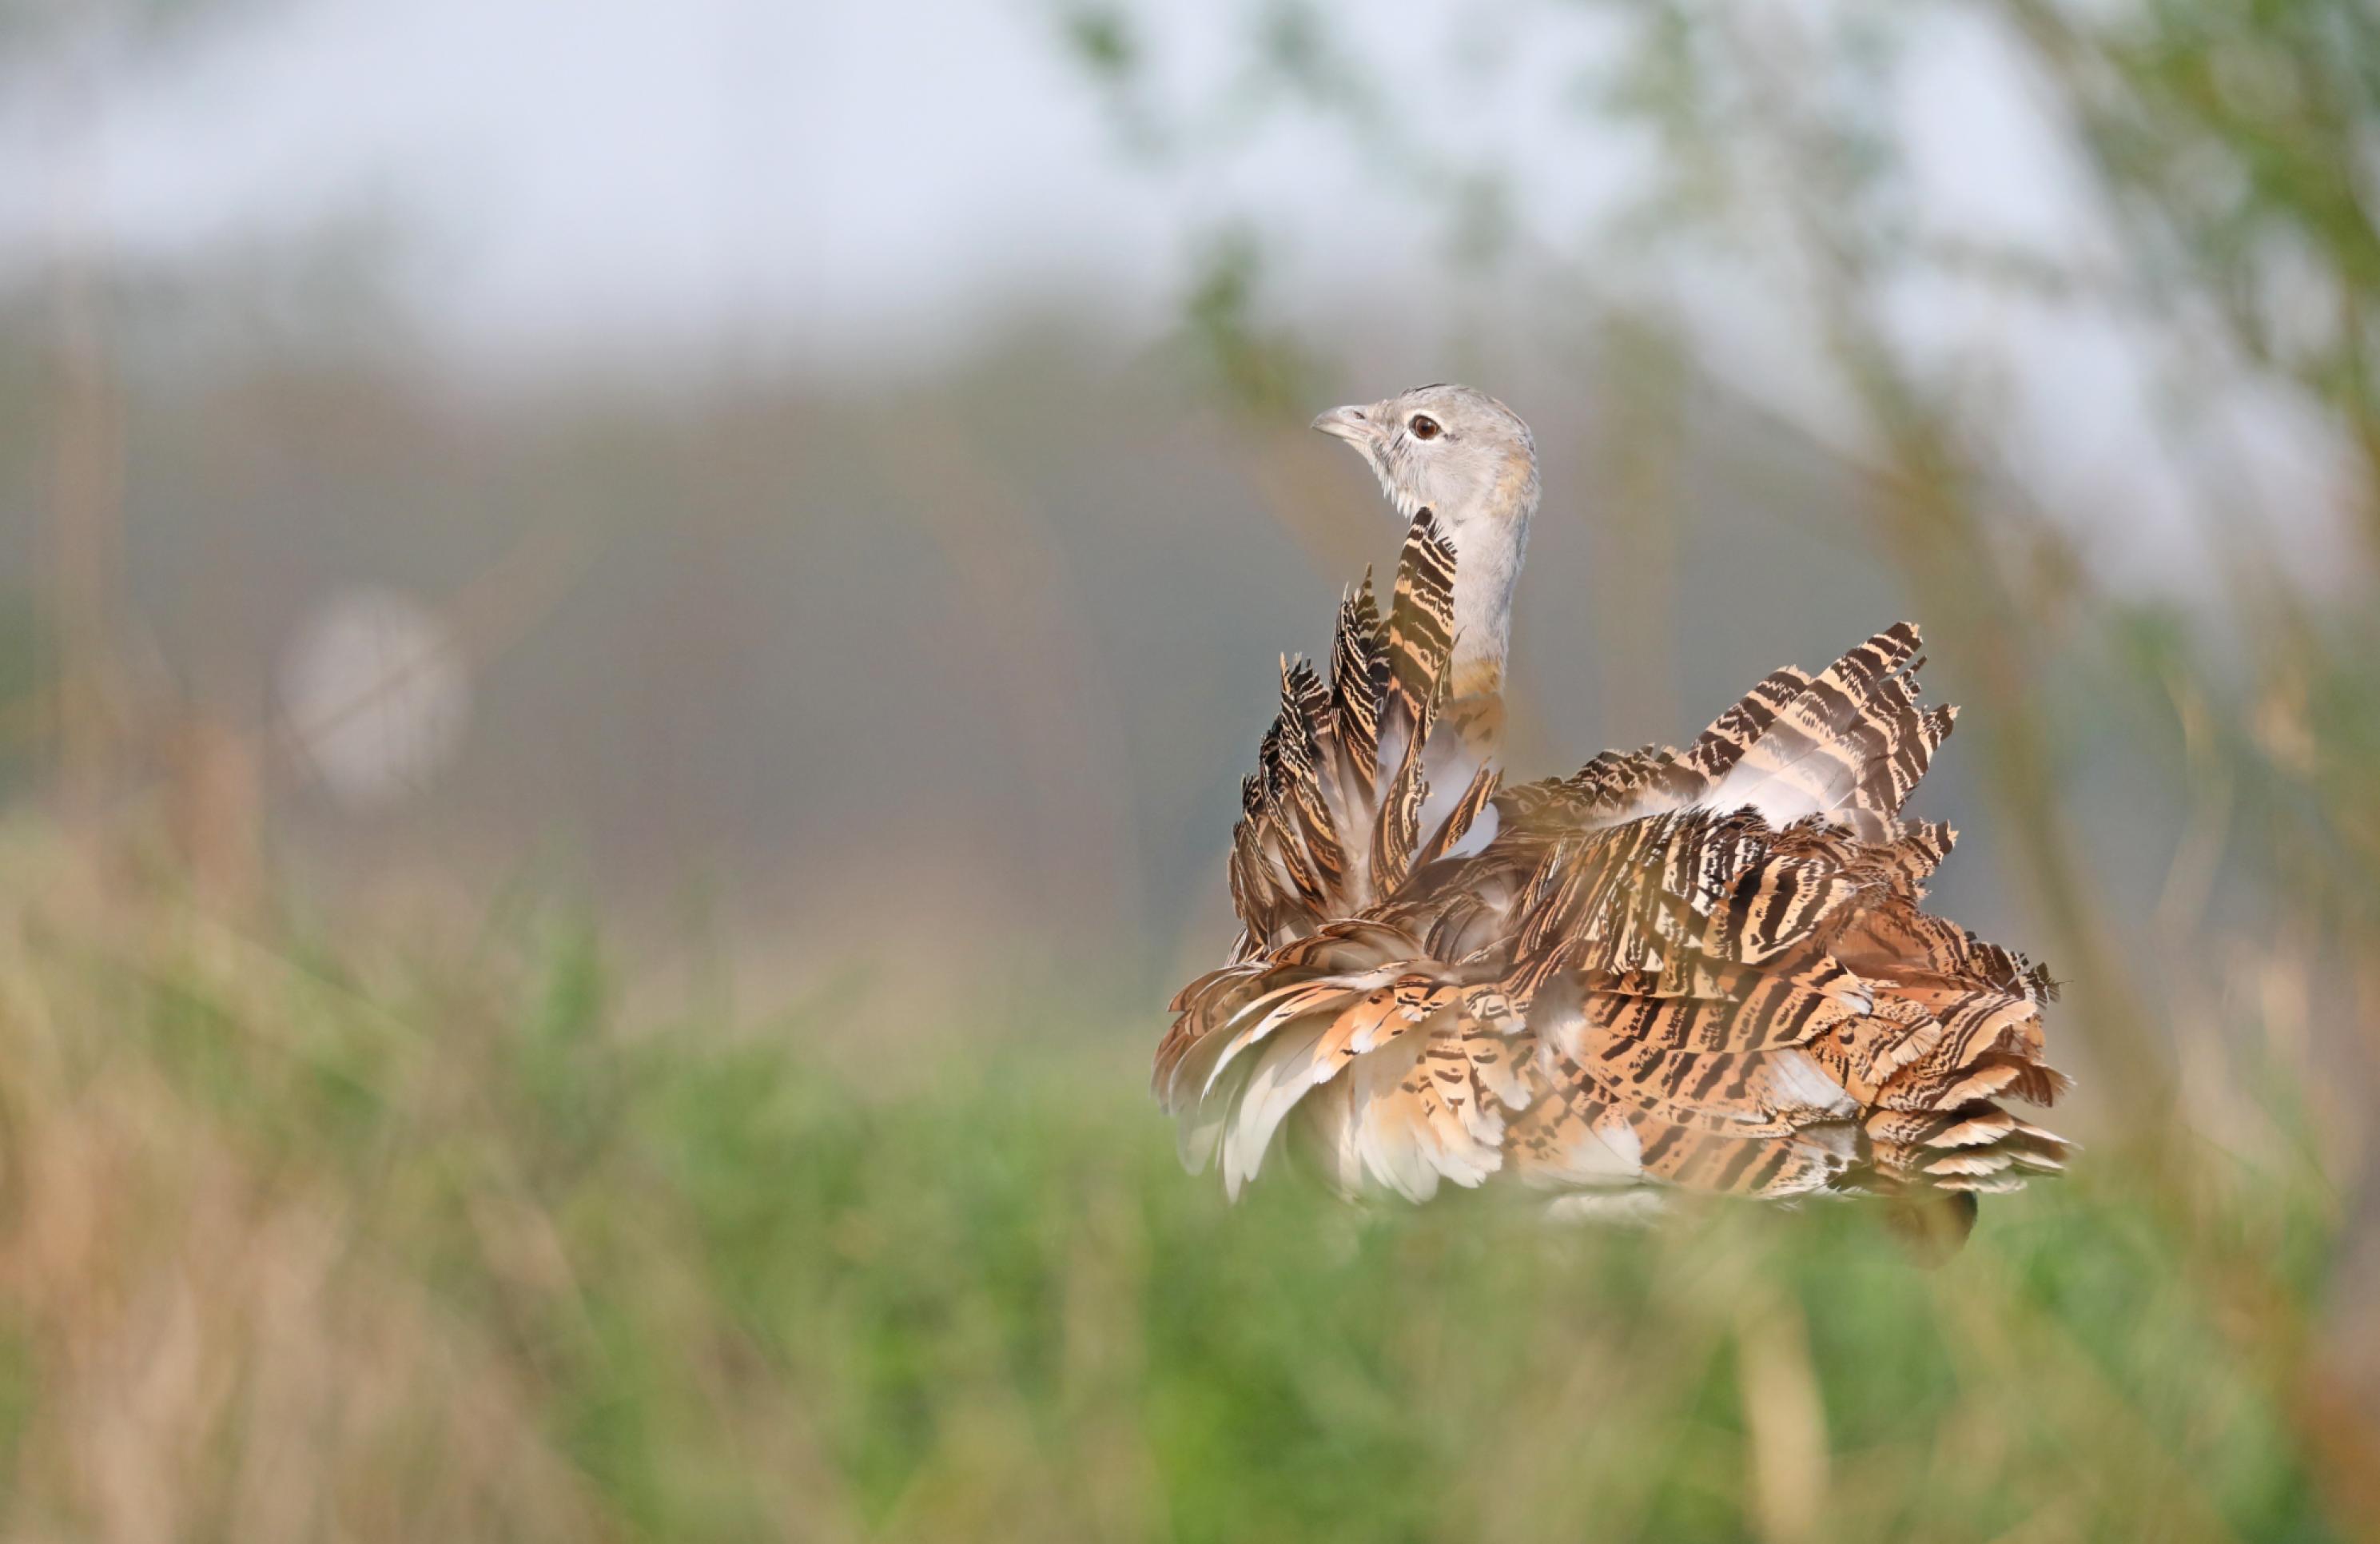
(598,819)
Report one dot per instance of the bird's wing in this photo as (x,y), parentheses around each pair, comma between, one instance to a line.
(1739,991)
(1707,968)
(1619,784)
(1851,745)
(1725,1006)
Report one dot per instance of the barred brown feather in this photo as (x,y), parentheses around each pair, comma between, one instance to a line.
(1707,969)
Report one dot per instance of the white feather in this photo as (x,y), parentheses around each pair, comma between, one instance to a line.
(1280,1079)
(1798,1082)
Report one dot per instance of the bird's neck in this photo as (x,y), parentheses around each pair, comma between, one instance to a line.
(1489,546)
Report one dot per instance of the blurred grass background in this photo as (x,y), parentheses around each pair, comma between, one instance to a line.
(320,1239)
(582,926)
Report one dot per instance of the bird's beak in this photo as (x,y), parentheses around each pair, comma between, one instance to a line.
(1351,424)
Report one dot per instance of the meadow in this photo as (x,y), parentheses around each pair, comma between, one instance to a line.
(329,1240)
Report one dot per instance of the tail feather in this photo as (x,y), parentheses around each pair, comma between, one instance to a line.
(1357,654)
(1305,713)
(1421,641)
(1421,624)
(1340,812)
(1723,744)
(1855,739)
(1467,810)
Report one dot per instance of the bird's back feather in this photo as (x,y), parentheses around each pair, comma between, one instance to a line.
(1707,968)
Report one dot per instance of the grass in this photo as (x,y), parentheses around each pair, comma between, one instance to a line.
(301,1242)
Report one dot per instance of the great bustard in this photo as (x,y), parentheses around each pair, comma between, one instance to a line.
(1705,968)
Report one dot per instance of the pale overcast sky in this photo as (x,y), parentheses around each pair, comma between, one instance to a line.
(852,175)
(858,183)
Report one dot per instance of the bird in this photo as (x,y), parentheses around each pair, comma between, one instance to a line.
(1706,969)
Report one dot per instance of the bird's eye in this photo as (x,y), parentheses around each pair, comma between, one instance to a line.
(1424,427)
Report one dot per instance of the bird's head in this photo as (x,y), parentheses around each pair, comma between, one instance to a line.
(1452,449)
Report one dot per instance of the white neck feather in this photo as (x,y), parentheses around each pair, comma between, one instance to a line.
(1488,568)
(1490,532)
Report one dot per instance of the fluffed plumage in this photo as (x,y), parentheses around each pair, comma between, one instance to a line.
(1707,968)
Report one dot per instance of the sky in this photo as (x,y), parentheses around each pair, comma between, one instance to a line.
(868,188)
(861,181)
(847,175)
(622,166)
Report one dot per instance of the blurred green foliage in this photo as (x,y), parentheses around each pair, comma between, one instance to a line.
(1259,368)
(740,1280)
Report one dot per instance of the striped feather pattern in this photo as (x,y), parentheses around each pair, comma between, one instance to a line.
(1421,619)
(1709,968)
